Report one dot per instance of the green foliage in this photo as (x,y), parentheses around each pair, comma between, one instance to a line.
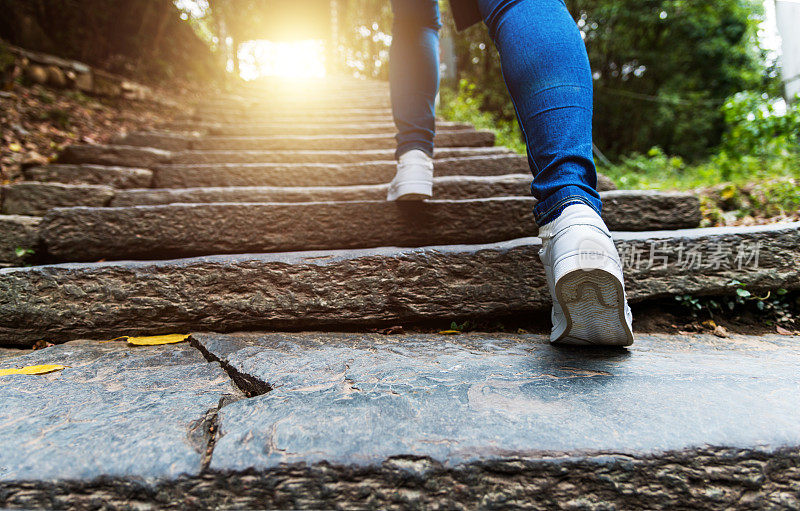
(756,171)
(23,252)
(757,128)
(661,67)
(776,306)
(465,105)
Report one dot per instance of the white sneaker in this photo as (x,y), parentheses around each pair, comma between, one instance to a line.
(584,274)
(414,179)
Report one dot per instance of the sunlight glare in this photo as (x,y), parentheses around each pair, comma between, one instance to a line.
(297,59)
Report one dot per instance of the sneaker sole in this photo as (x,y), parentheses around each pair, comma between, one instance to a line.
(593,302)
(411,191)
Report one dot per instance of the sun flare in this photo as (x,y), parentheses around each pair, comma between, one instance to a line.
(296,59)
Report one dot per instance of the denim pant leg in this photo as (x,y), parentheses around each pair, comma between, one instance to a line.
(546,70)
(414,72)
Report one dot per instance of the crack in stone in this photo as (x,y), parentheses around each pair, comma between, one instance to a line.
(248,384)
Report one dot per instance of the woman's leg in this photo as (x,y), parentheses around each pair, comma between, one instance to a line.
(547,73)
(414,73)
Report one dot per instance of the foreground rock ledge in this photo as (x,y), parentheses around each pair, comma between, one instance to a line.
(713,479)
(366,287)
(417,421)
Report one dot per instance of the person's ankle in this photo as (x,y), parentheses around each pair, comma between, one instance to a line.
(576,213)
(414,156)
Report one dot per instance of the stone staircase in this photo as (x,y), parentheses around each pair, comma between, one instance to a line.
(265,211)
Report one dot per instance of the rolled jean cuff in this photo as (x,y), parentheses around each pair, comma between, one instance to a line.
(549,209)
(425,147)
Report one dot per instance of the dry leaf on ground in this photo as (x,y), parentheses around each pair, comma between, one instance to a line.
(158,339)
(40,369)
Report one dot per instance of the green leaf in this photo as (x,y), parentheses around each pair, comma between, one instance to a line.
(744,293)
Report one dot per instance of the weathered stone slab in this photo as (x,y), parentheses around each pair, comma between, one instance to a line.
(324,174)
(294,128)
(185,230)
(35,198)
(262,129)
(355,114)
(350,117)
(114,155)
(177,142)
(366,287)
(115,411)
(115,177)
(303,156)
(18,232)
(444,187)
(360,399)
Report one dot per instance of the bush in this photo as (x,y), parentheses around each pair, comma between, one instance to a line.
(465,105)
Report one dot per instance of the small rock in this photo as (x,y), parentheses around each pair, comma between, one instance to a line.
(721,331)
(56,77)
(36,74)
(782,330)
(42,344)
(83,82)
(392,330)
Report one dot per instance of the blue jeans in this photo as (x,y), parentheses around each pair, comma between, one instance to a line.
(546,71)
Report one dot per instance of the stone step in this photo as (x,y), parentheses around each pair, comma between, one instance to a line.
(262,129)
(114,155)
(296,110)
(148,157)
(185,230)
(321,174)
(174,142)
(352,421)
(293,128)
(18,233)
(355,115)
(115,177)
(444,187)
(329,157)
(34,198)
(369,287)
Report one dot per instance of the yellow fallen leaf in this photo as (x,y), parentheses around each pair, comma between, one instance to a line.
(41,369)
(115,339)
(157,339)
(15,147)
(450,332)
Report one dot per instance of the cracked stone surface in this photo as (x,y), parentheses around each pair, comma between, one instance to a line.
(360,398)
(367,286)
(116,411)
(185,230)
